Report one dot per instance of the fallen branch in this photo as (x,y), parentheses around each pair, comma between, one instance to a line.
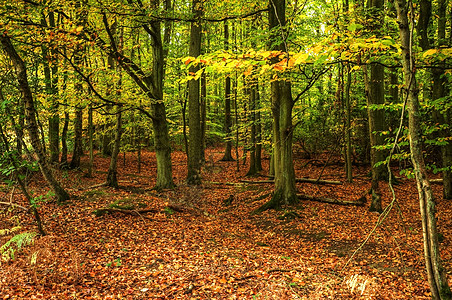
(438,181)
(137,212)
(225,183)
(102,211)
(89,187)
(359,202)
(14,205)
(309,180)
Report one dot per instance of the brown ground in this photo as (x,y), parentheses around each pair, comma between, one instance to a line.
(212,251)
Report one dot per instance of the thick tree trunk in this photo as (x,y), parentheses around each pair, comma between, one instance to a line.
(152,86)
(30,116)
(282,104)
(376,117)
(162,147)
(194,121)
(435,271)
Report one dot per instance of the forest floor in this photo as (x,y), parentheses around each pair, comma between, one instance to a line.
(193,245)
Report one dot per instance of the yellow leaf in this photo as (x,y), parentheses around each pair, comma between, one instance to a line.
(301,58)
(429,52)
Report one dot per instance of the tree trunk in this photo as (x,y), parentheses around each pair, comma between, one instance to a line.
(281,104)
(258,129)
(51,83)
(203,116)
(63,160)
(348,129)
(435,271)
(90,140)
(78,129)
(252,102)
(152,86)
(30,116)
(227,104)
(376,117)
(112,179)
(194,122)
(23,188)
(440,90)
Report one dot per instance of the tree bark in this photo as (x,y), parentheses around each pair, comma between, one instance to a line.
(90,141)
(50,64)
(252,104)
(435,271)
(23,188)
(112,179)
(348,129)
(440,90)
(376,116)
(78,129)
(227,104)
(30,116)
(281,105)
(194,121)
(152,86)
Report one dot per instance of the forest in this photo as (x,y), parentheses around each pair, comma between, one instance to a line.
(237,149)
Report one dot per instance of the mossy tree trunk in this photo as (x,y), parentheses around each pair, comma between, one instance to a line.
(30,117)
(281,106)
(435,271)
(152,86)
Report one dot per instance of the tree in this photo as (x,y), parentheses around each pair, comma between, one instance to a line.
(152,87)
(281,106)
(81,20)
(376,113)
(194,114)
(112,179)
(435,271)
(227,104)
(30,116)
(50,62)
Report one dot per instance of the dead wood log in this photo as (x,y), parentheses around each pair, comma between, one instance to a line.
(224,183)
(309,180)
(358,202)
(138,212)
(103,211)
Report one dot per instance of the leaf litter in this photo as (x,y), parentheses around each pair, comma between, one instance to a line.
(210,246)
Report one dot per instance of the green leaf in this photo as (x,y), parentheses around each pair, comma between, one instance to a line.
(353,27)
